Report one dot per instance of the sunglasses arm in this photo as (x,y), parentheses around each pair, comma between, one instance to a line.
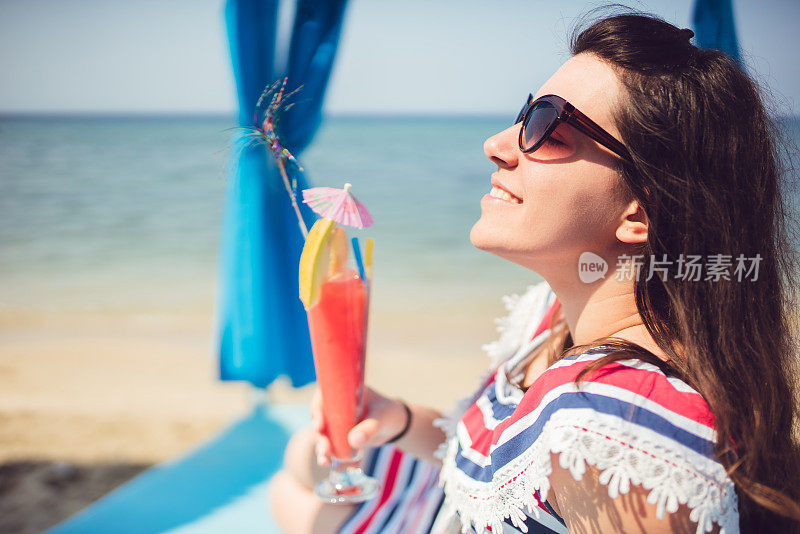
(586,125)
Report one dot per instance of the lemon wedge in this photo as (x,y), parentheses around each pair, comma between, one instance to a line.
(314,261)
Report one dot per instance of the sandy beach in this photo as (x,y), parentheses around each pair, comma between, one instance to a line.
(89,400)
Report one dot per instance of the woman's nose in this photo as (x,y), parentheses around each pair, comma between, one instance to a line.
(502,148)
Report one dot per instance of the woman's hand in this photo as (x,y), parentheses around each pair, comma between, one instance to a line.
(383,418)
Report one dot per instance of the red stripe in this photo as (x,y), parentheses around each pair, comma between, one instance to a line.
(483,442)
(394,463)
(492,376)
(547,319)
(473,422)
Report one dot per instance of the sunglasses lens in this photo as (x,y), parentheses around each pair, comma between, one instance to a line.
(540,119)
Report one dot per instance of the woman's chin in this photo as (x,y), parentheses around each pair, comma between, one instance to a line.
(485,239)
(501,245)
(477,236)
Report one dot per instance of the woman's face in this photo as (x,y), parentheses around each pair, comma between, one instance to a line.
(570,195)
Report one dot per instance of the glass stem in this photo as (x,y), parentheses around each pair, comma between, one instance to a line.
(341,470)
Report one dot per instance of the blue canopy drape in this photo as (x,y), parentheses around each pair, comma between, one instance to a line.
(262,330)
(714,26)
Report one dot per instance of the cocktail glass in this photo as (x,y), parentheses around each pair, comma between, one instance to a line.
(337,323)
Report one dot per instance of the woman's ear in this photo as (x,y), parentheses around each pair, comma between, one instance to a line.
(633,228)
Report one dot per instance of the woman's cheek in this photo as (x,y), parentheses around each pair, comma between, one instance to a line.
(547,194)
(565,208)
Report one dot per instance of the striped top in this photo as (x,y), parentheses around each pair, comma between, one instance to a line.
(636,425)
(409,496)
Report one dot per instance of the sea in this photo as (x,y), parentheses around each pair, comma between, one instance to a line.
(115,214)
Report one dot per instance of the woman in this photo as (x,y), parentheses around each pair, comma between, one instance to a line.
(650,396)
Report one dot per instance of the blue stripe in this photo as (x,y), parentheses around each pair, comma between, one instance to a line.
(500,411)
(599,403)
(372,461)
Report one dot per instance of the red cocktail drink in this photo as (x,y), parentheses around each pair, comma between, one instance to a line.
(338,327)
(336,299)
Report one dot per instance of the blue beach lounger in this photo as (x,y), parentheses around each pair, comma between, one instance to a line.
(222,486)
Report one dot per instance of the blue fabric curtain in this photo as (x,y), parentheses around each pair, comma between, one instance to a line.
(714,26)
(261,323)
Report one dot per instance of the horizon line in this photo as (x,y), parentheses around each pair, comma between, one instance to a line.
(102,114)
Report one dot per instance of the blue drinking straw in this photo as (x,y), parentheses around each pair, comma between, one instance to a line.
(359,261)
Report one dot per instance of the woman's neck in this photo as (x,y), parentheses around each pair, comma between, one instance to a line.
(602,309)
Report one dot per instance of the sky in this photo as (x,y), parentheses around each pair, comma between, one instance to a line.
(473,57)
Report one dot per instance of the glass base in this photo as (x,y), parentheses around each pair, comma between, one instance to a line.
(346,483)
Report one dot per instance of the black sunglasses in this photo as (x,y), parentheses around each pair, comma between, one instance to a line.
(540,118)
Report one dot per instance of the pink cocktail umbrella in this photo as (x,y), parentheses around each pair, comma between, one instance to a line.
(339,205)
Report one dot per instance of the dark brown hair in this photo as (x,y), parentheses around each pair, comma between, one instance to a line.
(707,172)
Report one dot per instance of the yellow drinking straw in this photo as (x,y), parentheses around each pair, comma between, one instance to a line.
(368,257)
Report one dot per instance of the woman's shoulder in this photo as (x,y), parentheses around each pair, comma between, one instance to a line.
(629,420)
(637,426)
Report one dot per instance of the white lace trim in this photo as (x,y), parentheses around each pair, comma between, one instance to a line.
(512,328)
(673,475)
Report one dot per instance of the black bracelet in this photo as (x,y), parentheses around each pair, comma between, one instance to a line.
(406,427)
